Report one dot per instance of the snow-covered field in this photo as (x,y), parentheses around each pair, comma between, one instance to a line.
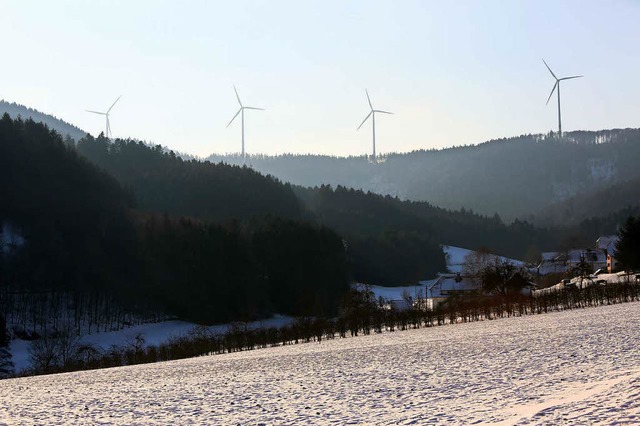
(574,367)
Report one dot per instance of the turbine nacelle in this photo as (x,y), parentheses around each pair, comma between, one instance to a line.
(558,80)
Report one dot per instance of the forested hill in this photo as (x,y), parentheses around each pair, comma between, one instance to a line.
(89,256)
(603,202)
(62,127)
(367,215)
(534,170)
(165,183)
(73,216)
(390,241)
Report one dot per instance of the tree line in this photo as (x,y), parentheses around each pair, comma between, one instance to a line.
(361,314)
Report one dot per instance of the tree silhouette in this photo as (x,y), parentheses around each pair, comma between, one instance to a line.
(628,245)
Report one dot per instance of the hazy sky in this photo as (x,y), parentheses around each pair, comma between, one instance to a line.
(454,72)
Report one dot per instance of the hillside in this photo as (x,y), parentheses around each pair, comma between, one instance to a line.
(62,127)
(92,261)
(535,170)
(573,367)
(389,242)
(539,171)
(469,182)
(367,217)
(165,183)
(71,214)
(599,203)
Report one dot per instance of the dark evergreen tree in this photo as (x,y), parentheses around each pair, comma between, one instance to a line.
(6,364)
(628,245)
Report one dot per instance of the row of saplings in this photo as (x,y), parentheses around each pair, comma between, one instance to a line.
(361,314)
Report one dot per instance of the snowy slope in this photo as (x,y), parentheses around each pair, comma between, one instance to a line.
(454,256)
(574,367)
(153,334)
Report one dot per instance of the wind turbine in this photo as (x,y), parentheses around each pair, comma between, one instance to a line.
(241,112)
(107,132)
(558,80)
(372,114)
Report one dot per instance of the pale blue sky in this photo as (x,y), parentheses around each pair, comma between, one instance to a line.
(454,72)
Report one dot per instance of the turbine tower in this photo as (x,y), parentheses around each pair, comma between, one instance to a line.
(558,80)
(372,114)
(241,112)
(107,131)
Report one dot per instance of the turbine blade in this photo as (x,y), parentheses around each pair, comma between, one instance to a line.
(237,96)
(551,94)
(569,78)
(109,110)
(234,117)
(108,127)
(554,76)
(368,99)
(365,119)
(259,109)
(383,112)
(95,112)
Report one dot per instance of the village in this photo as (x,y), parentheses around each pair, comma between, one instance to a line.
(557,270)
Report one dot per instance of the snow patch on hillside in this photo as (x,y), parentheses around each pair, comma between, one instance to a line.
(10,238)
(455,258)
(153,334)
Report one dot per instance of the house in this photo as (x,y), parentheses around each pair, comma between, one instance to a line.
(445,286)
(563,262)
(552,262)
(439,289)
(398,298)
(607,244)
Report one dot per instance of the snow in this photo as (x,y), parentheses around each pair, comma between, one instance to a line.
(153,334)
(455,258)
(397,293)
(572,367)
(608,243)
(600,279)
(10,238)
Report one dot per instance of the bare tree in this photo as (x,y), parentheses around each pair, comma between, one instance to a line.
(494,274)
(43,355)
(59,350)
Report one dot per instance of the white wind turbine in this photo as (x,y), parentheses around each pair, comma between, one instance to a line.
(372,114)
(106,114)
(241,112)
(558,80)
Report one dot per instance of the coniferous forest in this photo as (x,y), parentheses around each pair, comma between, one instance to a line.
(93,253)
